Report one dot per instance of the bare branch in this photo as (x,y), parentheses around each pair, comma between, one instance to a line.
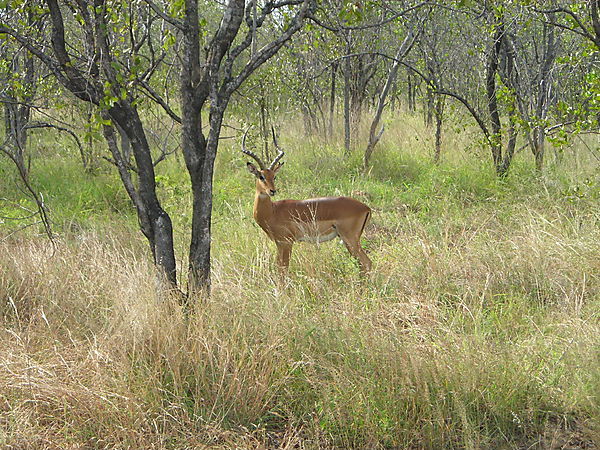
(271,48)
(56,127)
(37,197)
(176,23)
(158,99)
(583,30)
(392,18)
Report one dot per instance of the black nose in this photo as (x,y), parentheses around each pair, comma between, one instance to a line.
(273,191)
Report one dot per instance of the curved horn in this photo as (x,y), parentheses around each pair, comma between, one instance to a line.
(249,153)
(280,154)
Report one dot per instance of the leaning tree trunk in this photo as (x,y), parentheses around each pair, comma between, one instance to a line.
(374,136)
(155,223)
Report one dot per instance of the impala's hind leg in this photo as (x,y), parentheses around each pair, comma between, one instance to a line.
(284,250)
(350,233)
(357,251)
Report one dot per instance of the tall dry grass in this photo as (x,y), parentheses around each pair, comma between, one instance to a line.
(483,336)
(477,329)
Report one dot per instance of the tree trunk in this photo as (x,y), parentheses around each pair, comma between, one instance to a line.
(308,118)
(439,117)
(411,93)
(492,99)
(332,100)
(510,80)
(543,100)
(429,107)
(347,105)
(510,148)
(374,137)
(195,155)
(155,223)
(202,189)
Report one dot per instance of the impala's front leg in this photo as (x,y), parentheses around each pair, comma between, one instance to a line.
(284,250)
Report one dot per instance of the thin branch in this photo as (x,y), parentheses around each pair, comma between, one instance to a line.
(38,197)
(5,238)
(271,48)
(436,89)
(164,151)
(573,30)
(56,127)
(19,206)
(370,25)
(584,31)
(176,23)
(559,125)
(585,144)
(158,99)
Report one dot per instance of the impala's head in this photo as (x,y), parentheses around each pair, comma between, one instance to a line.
(265,176)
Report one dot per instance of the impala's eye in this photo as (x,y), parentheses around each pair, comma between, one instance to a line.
(261,177)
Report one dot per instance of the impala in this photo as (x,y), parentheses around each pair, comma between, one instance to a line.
(313,220)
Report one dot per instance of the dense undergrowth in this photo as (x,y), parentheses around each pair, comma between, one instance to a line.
(478,327)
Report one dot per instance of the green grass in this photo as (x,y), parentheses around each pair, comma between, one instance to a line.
(477,329)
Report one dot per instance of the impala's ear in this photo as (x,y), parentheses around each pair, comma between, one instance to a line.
(277,167)
(252,169)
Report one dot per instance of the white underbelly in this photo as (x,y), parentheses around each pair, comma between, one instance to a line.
(318,238)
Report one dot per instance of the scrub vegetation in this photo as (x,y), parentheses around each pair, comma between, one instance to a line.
(477,328)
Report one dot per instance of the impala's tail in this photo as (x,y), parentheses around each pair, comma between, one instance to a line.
(368,216)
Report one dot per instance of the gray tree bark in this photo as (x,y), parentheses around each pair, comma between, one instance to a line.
(374,136)
(212,79)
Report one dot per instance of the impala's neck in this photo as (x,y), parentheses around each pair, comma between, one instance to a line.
(263,208)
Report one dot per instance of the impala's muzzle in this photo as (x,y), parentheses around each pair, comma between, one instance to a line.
(272,192)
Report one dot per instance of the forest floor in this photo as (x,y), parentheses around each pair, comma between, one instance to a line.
(478,327)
